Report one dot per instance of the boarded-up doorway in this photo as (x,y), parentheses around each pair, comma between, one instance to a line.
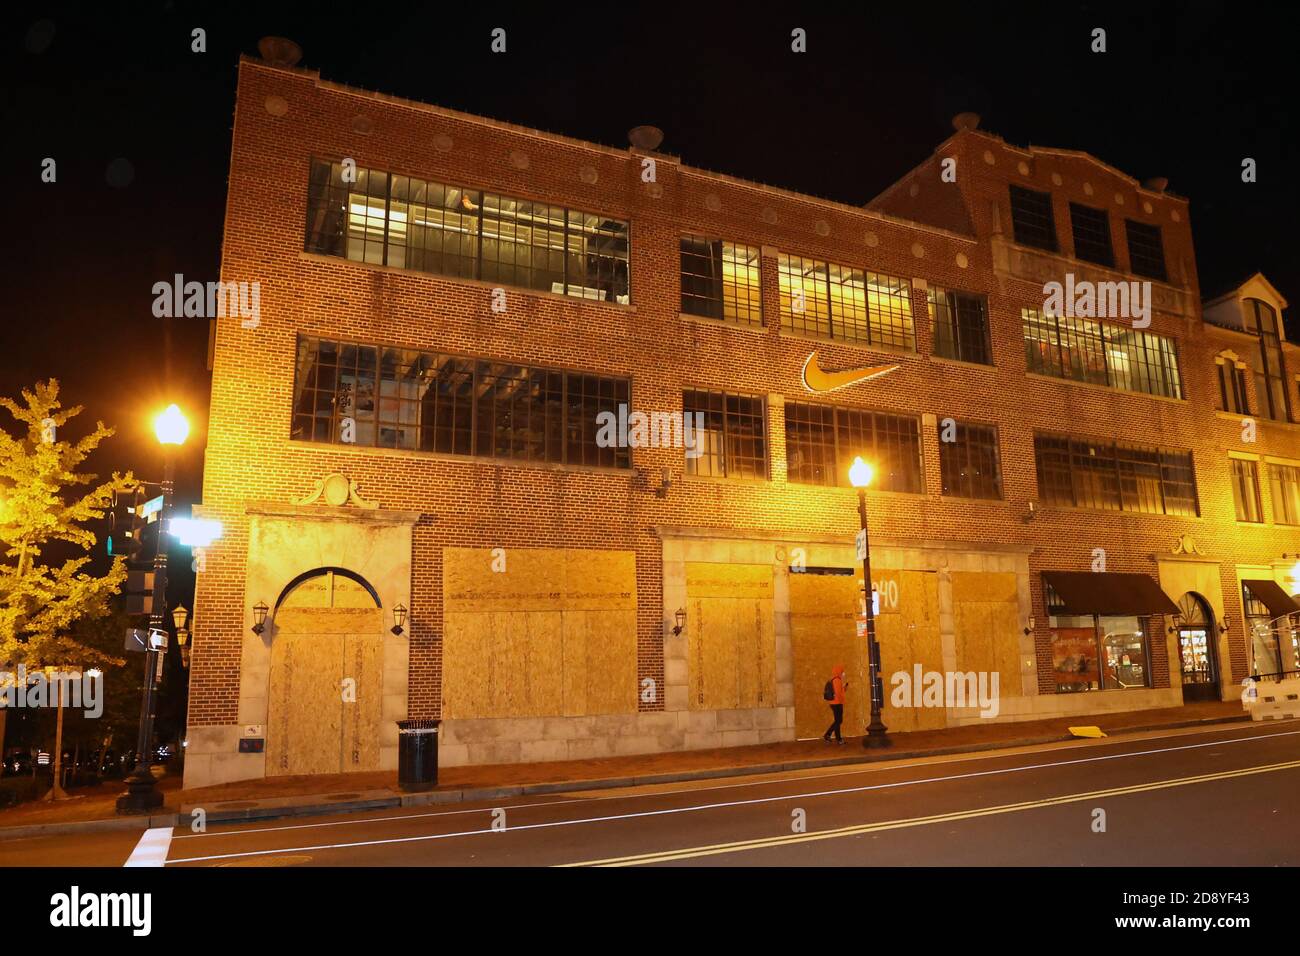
(326,681)
(823,633)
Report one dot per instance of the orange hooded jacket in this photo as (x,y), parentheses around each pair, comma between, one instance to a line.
(837,682)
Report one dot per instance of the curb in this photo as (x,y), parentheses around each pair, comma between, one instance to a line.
(390,800)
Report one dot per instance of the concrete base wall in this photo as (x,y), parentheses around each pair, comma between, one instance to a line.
(1047,706)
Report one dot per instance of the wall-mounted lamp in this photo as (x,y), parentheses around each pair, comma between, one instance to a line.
(665,482)
(180,617)
(399,619)
(680,621)
(259,617)
(1031,509)
(1029,628)
(1223,625)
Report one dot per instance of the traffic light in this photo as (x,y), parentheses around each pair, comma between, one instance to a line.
(125,532)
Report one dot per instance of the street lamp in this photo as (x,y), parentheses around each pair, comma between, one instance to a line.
(877,733)
(142,796)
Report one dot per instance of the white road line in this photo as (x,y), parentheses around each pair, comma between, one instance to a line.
(152,848)
(874,767)
(707,806)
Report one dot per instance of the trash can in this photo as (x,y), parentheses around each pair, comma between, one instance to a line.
(417,754)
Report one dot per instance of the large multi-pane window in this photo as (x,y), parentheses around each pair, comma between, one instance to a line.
(1082,473)
(721,280)
(841,302)
(1265,634)
(1232,388)
(381,397)
(1245,489)
(1284,480)
(1146,251)
(1267,362)
(968,460)
(1088,351)
(1032,221)
(733,440)
(961,325)
(408,223)
(821,442)
(1091,230)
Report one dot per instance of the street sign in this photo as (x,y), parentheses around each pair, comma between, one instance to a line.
(150,509)
(157,639)
(861,542)
(136,639)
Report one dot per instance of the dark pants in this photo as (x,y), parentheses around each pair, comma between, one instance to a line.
(837,711)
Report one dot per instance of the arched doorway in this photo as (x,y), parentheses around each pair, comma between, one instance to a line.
(326,679)
(1196,646)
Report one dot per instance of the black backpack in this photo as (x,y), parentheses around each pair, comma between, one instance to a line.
(829,692)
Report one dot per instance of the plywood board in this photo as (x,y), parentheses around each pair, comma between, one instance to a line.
(986,622)
(906,639)
(730,638)
(553,634)
(823,633)
(363,656)
(305,710)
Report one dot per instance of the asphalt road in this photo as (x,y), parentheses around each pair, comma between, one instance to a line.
(1198,797)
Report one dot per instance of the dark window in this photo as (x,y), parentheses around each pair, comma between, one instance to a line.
(1245,489)
(721,280)
(1120,477)
(1091,229)
(821,442)
(733,440)
(968,465)
(1285,482)
(1032,219)
(1146,252)
(408,223)
(840,302)
(378,397)
(1269,367)
(1087,351)
(961,325)
(1232,388)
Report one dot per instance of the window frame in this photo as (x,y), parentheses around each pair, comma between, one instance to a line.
(1108,257)
(963,429)
(952,320)
(1238,470)
(725,456)
(883,328)
(1104,488)
(839,464)
(1024,231)
(754,307)
(1090,353)
(1140,252)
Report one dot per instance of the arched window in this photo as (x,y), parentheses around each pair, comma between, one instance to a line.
(1269,367)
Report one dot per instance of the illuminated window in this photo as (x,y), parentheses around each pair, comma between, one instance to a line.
(961,325)
(1081,473)
(1146,251)
(733,442)
(969,465)
(1245,489)
(721,280)
(1100,353)
(821,442)
(1096,652)
(841,302)
(409,223)
(381,397)
(1284,480)
(1032,220)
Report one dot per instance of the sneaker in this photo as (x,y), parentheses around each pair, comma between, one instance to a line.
(826,740)
(840,741)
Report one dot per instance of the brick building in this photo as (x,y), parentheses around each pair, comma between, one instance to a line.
(423,517)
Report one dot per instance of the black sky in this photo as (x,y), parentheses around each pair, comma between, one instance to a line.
(1184,91)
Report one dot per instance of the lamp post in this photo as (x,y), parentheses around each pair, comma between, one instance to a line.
(180,617)
(142,794)
(877,733)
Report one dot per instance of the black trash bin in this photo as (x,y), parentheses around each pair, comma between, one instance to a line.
(417,754)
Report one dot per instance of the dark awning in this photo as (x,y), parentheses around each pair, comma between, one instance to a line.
(1107,592)
(1273,597)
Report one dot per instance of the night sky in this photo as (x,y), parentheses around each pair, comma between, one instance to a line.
(140,128)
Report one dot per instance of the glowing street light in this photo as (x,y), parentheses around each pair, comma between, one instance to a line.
(860,474)
(171,427)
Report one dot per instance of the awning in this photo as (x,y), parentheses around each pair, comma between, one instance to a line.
(1273,597)
(1107,592)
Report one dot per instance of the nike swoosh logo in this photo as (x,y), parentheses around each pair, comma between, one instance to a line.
(816,380)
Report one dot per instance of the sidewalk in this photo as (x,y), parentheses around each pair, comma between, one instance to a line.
(93,809)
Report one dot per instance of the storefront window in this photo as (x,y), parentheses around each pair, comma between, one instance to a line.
(1265,647)
(1098,653)
(1124,647)
(1074,654)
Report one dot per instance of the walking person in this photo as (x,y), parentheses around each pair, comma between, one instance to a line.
(834,695)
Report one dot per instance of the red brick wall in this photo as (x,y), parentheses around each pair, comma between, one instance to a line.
(471,502)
